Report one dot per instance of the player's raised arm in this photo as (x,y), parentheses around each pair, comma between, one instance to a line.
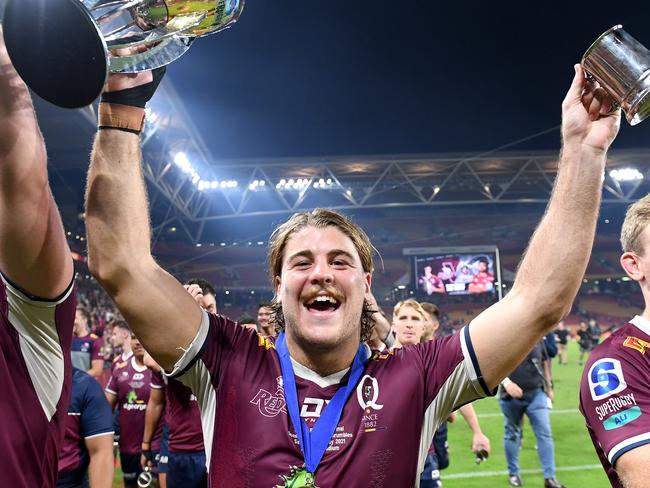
(161,313)
(34,252)
(552,269)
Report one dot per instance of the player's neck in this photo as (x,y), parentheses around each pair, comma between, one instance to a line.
(139,360)
(126,348)
(82,332)
(323,362)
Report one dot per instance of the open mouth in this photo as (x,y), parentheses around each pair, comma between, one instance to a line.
(322,303)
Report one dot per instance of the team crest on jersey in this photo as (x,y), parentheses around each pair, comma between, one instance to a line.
(606,378)
(368,393)
(271,404)
(636,344)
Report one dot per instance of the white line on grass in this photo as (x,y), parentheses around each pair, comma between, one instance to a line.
(483,474)
(560,411)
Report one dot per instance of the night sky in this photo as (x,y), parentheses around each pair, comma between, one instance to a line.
(315,78)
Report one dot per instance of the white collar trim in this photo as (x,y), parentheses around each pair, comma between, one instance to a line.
(322,381)
(642,323)
(135,365)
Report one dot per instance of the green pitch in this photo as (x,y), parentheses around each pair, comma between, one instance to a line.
(575,458)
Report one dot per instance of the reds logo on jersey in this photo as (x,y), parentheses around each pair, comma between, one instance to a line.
(271,404)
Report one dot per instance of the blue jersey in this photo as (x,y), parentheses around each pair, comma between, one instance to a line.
(89,415)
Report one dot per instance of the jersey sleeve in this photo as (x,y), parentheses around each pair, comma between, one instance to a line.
(615,402)
(96,416)
(44,328)
(111,386)
(451,377)
(451,373)
(157,381)
(97,350)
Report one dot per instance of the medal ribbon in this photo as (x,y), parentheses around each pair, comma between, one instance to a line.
(313,443)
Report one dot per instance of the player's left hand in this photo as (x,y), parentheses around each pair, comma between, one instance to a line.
(480,442)
(589,114)
(195,291)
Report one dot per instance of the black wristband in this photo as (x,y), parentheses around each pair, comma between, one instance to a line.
(123,129)
(137,96)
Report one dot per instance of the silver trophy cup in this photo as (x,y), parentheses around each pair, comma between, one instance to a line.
(65,49)
(621,65)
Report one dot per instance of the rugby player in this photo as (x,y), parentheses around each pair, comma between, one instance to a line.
(37,302)
(614,392)
(87,348)
(263,401)
(128,389)
(87,452)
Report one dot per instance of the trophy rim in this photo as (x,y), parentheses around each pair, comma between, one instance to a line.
(597,41)
(57,77)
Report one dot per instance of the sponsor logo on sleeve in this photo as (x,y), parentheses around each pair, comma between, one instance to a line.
(615,405)
(622,418)
(636,344)
(606,378)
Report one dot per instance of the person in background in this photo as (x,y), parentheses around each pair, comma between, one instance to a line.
(528,390)
(264,324)
(128,390)
(87,452)
(584,340)
(87,351)
(562,334)
(121,342)
(248,322)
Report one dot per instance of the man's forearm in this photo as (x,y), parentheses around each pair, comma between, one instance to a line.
(469,414)
(557,257)
(117,217)
(100,469)
(151,418)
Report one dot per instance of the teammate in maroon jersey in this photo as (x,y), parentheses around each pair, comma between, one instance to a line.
(37,301)
(373,419)
(614,392)
(87,348)
(128,390)
(121,342)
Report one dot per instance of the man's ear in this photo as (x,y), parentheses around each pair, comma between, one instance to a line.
(367,282)
(630,263)
(278,285)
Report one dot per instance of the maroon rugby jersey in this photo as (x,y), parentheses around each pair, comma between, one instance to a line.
(385,429)
(615,396)
(132,383)
(35,383)
(183,418)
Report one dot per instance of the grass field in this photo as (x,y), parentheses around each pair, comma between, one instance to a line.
(575,458)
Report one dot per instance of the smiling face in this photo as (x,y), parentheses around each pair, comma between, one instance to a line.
(322,287)
(408,324)
(136,347)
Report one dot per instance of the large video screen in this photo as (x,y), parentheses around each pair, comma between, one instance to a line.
(461,272)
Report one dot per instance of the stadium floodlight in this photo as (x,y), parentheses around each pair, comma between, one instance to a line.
(626,174)
(256,184)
